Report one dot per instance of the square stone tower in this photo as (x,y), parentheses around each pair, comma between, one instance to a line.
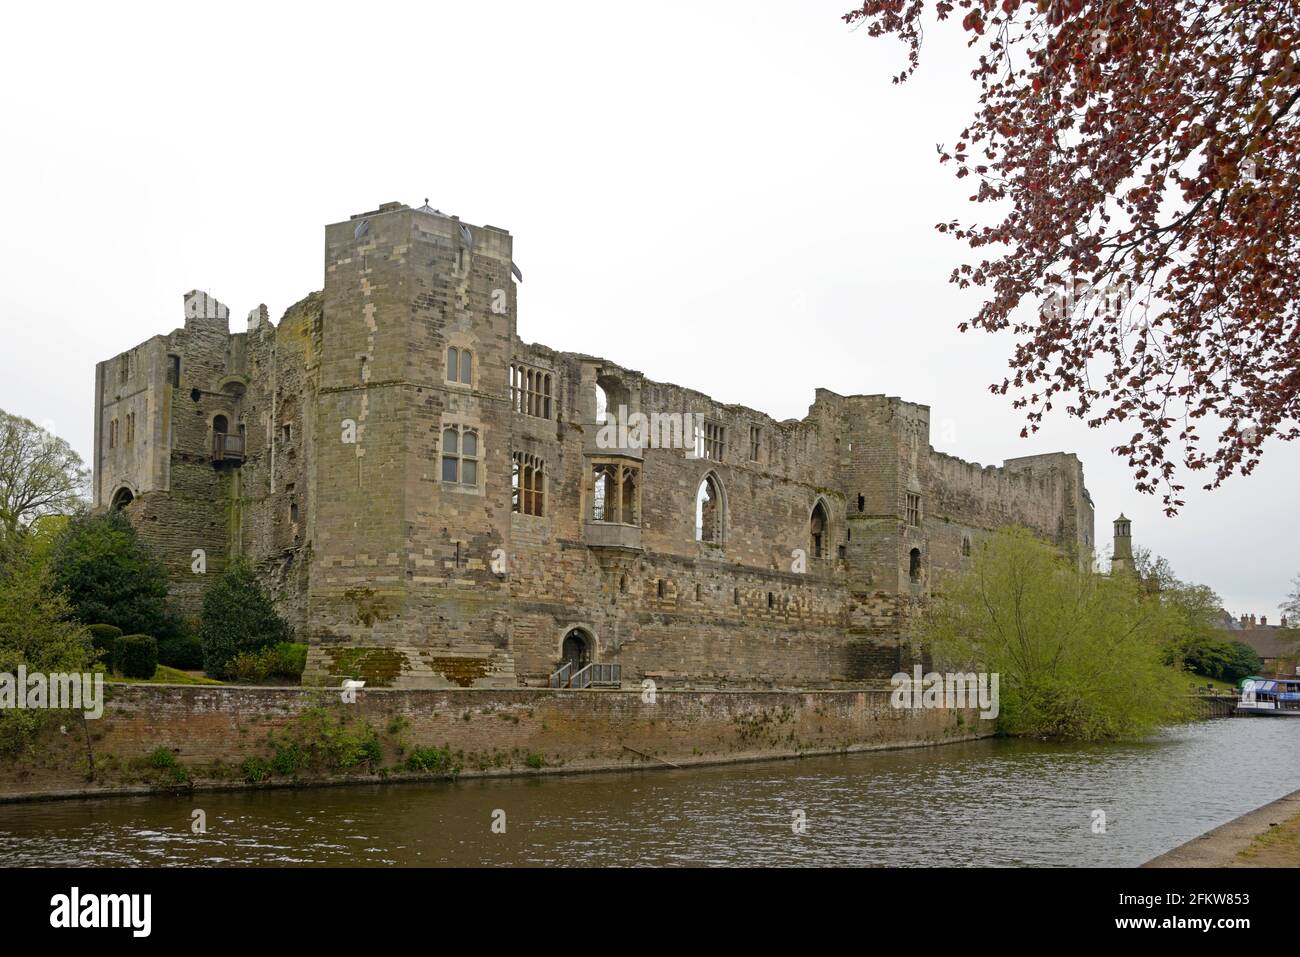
(412,477)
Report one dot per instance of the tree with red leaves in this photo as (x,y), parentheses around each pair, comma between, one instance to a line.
(1144,160)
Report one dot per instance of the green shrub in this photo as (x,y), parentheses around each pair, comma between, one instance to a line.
(288,660)
(238,619)
(110,576)
(288,759)
(250,667)
(535,761)
(165,770)
(102,638)
(255,769)
(428,759)
(135,656)
(161,758)
(182,651)
(284,661)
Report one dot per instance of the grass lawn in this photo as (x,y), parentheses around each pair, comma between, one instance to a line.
(1277,847)
(166,676)
(1200,681)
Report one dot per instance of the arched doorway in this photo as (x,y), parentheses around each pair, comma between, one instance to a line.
(122,498)
(576,649)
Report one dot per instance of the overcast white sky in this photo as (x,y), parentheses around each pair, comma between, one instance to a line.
(725,195)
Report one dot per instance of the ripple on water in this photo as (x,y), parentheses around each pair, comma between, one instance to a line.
(999,803)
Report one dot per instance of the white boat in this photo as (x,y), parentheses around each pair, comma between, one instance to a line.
(1270,697)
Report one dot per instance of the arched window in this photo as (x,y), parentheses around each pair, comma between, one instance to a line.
(602,404)
(914,565)
(526,484)
(220,425)
(965,546)
(460,365)
(708,511)
(122,499)
(819,524)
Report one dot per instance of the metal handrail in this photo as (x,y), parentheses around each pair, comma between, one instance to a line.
(594,673)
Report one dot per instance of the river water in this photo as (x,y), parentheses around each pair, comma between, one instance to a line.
(993,802)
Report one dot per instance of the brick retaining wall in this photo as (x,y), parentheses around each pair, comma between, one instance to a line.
(211,730)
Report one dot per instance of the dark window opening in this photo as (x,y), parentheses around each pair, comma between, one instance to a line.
(819,525)
(914,565)
(862,503)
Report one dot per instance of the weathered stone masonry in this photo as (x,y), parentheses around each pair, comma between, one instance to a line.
(431,503)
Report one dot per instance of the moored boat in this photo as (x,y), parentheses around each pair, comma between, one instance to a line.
(1270,697)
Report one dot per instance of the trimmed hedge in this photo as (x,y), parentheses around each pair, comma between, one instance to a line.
(102,637)
(135,656)
(184,652)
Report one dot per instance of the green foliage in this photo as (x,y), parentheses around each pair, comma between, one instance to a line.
(37,629)
(40,475)
(181,651)
(1222,659)
(238,618)
(161,758)
(102,637)
(110,576)
(288,759)
(322,741)
(535,761)
(255,770)
(135,656)
(429,759)
(164,770)
(283,661)
(1080,656)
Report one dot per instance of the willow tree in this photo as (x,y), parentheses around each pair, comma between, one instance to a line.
(1080,656)
(1142,164)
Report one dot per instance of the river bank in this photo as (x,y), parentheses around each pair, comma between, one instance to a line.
(161,738)
(1268,836)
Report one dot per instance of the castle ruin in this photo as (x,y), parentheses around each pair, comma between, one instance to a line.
(433,503)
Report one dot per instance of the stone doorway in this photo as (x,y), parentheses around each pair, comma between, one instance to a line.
(576,649)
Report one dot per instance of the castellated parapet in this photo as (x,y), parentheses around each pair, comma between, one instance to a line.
(434,503)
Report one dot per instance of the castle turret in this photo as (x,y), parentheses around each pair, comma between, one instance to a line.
(1122,561)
